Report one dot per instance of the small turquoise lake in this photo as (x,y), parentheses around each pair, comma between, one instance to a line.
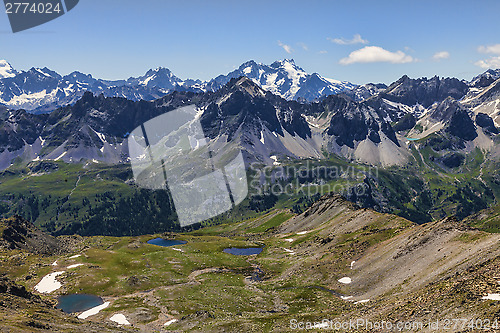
(78,302)
(165,242)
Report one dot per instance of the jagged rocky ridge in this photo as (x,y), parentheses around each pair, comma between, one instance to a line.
(266,126)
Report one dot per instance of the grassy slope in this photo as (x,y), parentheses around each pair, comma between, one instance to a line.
(63,190)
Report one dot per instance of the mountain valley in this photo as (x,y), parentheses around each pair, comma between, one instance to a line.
(373,201)
(334,261)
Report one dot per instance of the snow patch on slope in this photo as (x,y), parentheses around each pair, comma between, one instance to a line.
(49,283)
(93,311)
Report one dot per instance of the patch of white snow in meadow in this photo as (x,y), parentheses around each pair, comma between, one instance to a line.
(120,319)
(49,283)
(345,280)
(93,311)
(170,322)
(362,301)
(180,250)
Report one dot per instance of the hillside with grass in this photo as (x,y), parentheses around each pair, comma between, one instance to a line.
(335,260)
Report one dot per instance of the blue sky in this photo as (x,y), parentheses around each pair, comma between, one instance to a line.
(357,41)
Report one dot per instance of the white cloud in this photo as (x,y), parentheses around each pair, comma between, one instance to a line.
(491,63)
(376,54)
(303,46)
(323,52)
(285,47)
(441,55)
(355,40)
(495,49)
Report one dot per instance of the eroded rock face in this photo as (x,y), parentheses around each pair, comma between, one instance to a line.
(353,122)
(19,233)
(486,123)
(425,91)
(8,286)
(462,126)
(405,123)
(43,166)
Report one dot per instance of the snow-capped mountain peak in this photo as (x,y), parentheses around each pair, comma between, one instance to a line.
(160,77)
(285,62)
(485,79)
(284,78)
(250,69)
(6,70)
(44,72)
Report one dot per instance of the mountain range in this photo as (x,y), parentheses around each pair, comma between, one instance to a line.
(380,130)
(41,90)
(433,140)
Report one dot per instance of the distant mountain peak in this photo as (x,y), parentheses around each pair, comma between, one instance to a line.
(285,79)
(162,70)
(243,85)
(77,74)
(158,71)
(283,62)
(45,71)
(287,64)
(6,70)
(424,91)
(249,63)
(485,79)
